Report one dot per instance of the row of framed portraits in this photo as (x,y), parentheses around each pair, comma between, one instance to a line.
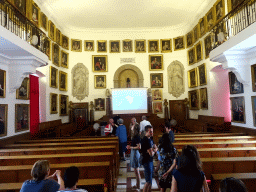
(197,76)
(63,104)
(58,78)
(195,54)
(198,99)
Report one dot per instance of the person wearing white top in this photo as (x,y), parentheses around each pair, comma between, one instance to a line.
(143,124)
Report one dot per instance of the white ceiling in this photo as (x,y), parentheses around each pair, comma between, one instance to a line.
(124,13)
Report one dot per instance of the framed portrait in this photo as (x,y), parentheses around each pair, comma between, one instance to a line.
(22,6)
(63,105)
(35,14)
(237,110)
(140,46)
(53,77)
(99,63)
(253,70)
(196,33)
(65,42)
(114,46)
(179,43)
(156,62)
(23,91)
(202,74)
(157,107)
(189,39)
(153,46)
(191,56)
(235,86)
(55,54)
(156,80)
(209,18)
(21,117)
(51,30)
(53,103)
(99,104)
(2,83)
(76,45)
(207,46)
(219,10)
(157,95)
(199,51)
(203,98)
(253,110)
(166,45)
(64,59)
(232,4)
(58,37)
(102,46)
(100,81)
(3,119)
(192,78)
(127,45)
(47,47)
(193,97)
(44,21)
(89,45)
(63,81)
(202,26)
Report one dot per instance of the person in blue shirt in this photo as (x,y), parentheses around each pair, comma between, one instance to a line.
(121,133)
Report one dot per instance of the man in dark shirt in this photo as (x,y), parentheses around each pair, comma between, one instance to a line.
(148,149)
(169,130)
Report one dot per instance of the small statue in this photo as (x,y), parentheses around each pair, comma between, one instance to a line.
(108,94)
(149,92)
(186,102)
(91,105)
(165,103)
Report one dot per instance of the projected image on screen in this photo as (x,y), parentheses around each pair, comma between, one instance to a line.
(129,100)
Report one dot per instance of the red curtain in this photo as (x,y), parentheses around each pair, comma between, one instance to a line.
(34,104)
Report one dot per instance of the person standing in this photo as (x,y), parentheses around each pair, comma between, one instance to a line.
(148,150)
(143,124)
(168,129)
(109,127)
(131,128)
(122,135)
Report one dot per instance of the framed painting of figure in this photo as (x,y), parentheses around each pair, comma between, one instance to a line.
(21,117)
(63,105)
(199,51)
(99,63)
(89,45)
(53,77)
(156,62)
(202,27)
(58,36)
(193,97)
(195,33)
(209,18)
(192,78)
(127,45)
(76,45)
(202,74)
(23,91)
(253,110)
(63,81)
(157,107)
(2,83)
(232,4)
(156,80)
(153,46)
(114,46)
(100,81)
(203,98)
(253,71)
(22,6)
(102,46)
(64,59)
(53,103)
(44,21)
(140,46)
(55,54)
(189,39)
(207,46)
(99,104)
(219,10)
(237,110)
(191,56)
(179,43)
(157,95)
(35,14)
(166,45)
(235,86)
(3,119)
(51,30)
(65,42)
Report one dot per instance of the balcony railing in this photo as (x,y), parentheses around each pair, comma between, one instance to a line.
(13,20)
(242,16)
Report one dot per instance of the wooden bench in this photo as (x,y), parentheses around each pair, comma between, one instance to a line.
(210,139)
(206,134)
(49,128)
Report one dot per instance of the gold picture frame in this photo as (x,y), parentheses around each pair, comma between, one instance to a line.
(3,119)
(53,81)
(140,46)
(196,33)
(156,62)
(235,86)
(58,36)
(237,110)
(47,47)
(210,19)
(55,54)
(65,42)
(64,59)
(43,21)
(114,46)
(232,5)
(193,97)
(53,103)
(156,80)
(22,117)
(23,6)
(202,72)
(157,107)
(179,43)
(153,46)
(166,45)
(202,26)
(189,39)
(76,45)
(199,51)
(63,105)
(99,104)
(207,46)
(51,30)
(35,14)
(253,72)
(2,83)
(203,98)
(99,63)
(253,110)
(100,81)
(23,91)
(157,95)
(219,10)
(102,46)
(63,81)
(191,56)
(192,78)
(89,45)
(127,45)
